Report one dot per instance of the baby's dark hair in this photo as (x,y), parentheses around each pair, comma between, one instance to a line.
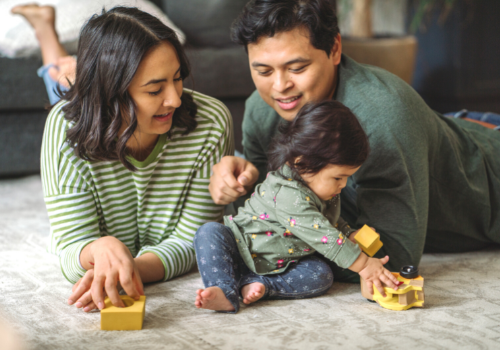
(322,133)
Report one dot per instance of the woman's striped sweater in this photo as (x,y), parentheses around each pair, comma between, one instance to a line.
(156,209)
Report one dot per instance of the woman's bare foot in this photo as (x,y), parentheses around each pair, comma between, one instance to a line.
(212,298)
(252,292)
(38,16)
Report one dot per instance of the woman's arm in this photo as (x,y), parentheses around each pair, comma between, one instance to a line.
(215,127)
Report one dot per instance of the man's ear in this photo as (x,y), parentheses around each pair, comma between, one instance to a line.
(336,53)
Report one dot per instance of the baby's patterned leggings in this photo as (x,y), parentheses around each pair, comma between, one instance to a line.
(221,265)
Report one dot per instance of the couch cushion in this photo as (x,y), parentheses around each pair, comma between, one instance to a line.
(205,22)
(221,73)
(17,38)
(20,86)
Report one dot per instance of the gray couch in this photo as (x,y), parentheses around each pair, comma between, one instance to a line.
(219,69)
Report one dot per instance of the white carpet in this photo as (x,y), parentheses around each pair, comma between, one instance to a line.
(462,309)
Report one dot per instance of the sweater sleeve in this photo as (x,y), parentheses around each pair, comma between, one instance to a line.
(176,251)
(392,189)
(260,123)
(70,203)
(304,220)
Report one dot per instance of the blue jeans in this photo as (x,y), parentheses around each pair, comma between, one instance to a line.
(221,265)
(488,117)
(50,84)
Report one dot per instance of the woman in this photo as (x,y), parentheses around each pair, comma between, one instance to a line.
(126,160)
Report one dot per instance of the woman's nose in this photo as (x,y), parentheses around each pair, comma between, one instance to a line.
(172,98)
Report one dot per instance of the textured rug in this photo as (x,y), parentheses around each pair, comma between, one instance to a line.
(462,307)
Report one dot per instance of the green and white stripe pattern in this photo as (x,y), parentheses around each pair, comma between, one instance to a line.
(156,209)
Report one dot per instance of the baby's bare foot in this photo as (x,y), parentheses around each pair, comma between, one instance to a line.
(252,292)
(212,298)
(38,16)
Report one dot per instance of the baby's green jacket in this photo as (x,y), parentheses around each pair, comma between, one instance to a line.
(284,221)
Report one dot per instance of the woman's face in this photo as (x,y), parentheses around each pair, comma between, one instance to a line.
(156,90)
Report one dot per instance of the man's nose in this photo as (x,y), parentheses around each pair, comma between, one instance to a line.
(282,82)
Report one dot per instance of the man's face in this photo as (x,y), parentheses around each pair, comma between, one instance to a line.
(289,72)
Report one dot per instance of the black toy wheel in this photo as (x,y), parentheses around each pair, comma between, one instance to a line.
(409,272)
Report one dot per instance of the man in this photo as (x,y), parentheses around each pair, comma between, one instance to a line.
(430,181)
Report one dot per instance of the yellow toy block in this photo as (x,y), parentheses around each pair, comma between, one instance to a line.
(123,319)
(410,293)
(368,240)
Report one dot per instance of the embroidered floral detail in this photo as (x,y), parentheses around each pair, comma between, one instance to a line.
(254,256)
(269,233)
(231,217)
(290,251)
(340,241)
(262,193)
(287,233)
(341,236)
(280,263)
(316,226)
(307,249)
(254,217)
(292,221)
(264,216)
(290,179)
(274,199)
(254,236)
(308,198)
(324,240)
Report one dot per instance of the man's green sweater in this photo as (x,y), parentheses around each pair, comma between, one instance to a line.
(429,180)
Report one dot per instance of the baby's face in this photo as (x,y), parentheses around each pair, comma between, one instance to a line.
(329,181)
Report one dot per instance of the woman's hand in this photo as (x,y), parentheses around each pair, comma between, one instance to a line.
(81,292)
(113,265)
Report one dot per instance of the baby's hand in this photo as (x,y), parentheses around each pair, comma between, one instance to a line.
(374,273)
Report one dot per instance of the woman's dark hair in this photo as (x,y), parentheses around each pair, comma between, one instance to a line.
(322,133)
(267,17)
(110,49)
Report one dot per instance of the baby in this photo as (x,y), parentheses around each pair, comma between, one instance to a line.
(267,251)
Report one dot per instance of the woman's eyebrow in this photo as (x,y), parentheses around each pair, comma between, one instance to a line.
(156,81)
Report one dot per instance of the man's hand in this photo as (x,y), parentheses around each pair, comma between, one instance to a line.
(232,177)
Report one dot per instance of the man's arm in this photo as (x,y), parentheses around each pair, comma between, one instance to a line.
(260,123)
(234,178)
(392,189)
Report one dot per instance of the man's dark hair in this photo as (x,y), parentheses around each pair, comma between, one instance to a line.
(322,133)
(268,17)
(110,49)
